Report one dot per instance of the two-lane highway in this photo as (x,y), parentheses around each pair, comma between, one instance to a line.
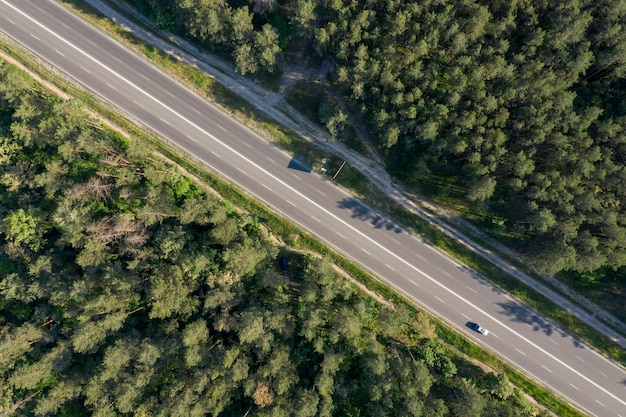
(155,100)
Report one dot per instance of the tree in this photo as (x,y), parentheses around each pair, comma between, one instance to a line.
(482,189)
(333,118)
(263,395)
(23,226)
(499,386)
(241,27)
(195,210)
(195,336)
(53,178)
(60,394)
(267,48)
(170,241)
(17,342)
(170,294)
(93,253)
(307,403)
(15,85)
(90,335)
(204,19)
(116,358)
(250,327)
(8,149)
(245,60)
(226,231)
(243,257)
(435,408)
(32,376)
(467,401)
(325,381)
(304,17)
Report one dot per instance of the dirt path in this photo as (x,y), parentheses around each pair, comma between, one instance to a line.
(275,106)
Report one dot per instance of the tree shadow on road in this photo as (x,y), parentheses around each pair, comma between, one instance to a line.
(364,213)
(523,315)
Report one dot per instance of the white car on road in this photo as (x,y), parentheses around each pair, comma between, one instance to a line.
(480,329)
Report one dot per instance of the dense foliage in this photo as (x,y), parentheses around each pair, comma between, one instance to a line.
(519,102)
(520,99)
(126,289)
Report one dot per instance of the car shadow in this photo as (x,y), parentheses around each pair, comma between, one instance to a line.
(471,325)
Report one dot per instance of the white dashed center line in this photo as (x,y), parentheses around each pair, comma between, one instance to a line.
(164,121)
(190,138)
(575,387)
(35,37)
(440,299)
(317,220)
(390,267)
(520,351)
(290,203)
(265,186)
(242,171)
(546,369)
(216,154)
(366,251)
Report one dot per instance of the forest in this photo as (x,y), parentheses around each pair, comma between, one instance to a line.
(127,288)
(519,104)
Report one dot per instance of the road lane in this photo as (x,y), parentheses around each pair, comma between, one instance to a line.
(150,97)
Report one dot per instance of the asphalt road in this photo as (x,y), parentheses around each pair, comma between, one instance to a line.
(151,98)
